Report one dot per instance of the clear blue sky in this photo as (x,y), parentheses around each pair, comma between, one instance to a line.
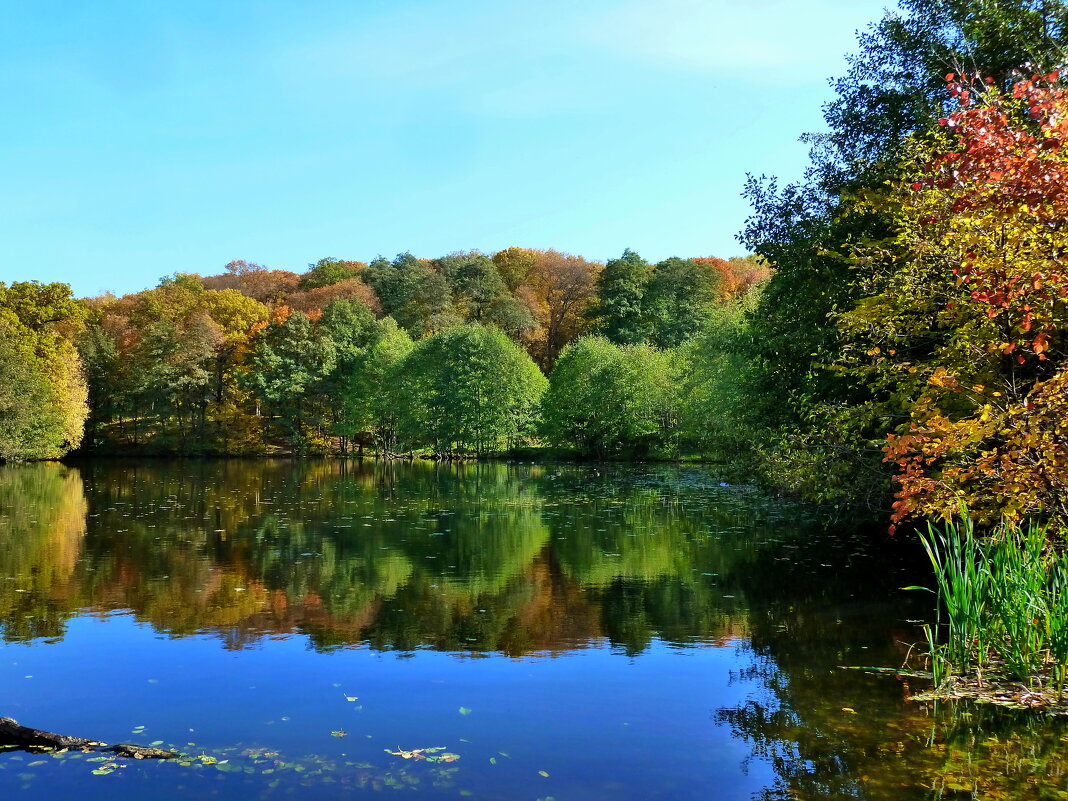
(143,138)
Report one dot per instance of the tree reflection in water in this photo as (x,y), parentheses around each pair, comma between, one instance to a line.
(521,560)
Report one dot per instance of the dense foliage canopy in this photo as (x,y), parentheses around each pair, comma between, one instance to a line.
(42,388)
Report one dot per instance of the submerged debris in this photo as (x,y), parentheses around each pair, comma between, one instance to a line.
(1012,695)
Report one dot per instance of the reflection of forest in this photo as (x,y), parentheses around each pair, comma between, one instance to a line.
(519,560)
(829,733)
(42,526)
(472,557)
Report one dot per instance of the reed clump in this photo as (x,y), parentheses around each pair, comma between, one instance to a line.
(1002,607)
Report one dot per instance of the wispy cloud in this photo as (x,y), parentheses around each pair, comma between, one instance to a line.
(772,41)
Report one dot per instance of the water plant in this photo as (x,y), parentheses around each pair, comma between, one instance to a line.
(1002,605)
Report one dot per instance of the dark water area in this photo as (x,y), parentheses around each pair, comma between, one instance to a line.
(563,632)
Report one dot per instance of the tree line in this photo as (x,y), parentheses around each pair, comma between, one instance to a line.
(446,355)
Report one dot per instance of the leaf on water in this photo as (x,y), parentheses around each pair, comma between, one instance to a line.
(543,773)
(351,698)
(465,711)
(493,760)
(339,733)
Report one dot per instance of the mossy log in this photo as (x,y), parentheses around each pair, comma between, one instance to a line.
(12,734)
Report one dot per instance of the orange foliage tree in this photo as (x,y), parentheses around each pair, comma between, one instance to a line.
(966,331)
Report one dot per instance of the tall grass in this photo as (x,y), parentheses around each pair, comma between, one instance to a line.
(1002,605)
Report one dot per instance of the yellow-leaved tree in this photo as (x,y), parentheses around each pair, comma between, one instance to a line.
(965,327)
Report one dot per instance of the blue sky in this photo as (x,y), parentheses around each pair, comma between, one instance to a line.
(144,138)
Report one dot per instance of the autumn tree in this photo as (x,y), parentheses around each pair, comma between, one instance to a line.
(514,265)
(735,276)
(965,328)
(43,396)
(271,287)
(894,86)
(318,299)
(562,288)
(163,367)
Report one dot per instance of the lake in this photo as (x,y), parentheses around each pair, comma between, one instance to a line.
(490,631)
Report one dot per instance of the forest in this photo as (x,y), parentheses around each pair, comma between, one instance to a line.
(446,356)
(895,344)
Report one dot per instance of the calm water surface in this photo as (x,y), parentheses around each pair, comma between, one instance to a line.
(558,632)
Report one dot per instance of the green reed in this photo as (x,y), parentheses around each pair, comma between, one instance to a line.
(1002,604)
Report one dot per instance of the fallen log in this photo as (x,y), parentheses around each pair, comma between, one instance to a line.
(12,734)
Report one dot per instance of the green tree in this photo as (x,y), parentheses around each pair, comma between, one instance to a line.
(288,364)
(511,316)
(621,289)
(412,292)
(372,389)
(352,329)
(681,293)
(31,425)
(475,282)
(469,390)
(174,378)
(612,400)
(713,384)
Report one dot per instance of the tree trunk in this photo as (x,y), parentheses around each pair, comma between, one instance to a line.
(11,733)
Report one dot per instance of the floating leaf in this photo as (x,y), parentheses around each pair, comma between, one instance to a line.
(465,711)
(543,773)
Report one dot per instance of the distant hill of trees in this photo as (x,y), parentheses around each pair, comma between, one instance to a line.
(448,355)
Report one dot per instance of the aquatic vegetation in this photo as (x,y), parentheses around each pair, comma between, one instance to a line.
(1002,607)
